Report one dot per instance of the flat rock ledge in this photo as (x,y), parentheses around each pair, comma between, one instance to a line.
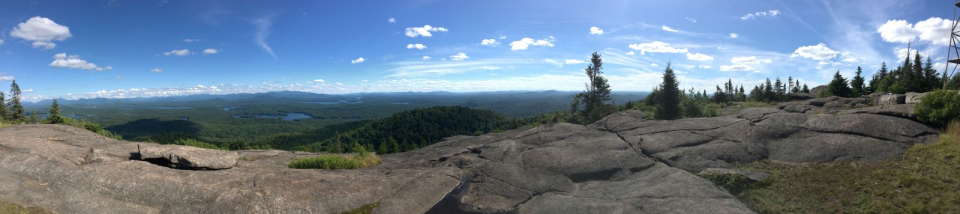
(189,157)
(624,163)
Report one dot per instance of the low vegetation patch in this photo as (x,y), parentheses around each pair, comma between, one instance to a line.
(360,160)
(17,209)
(365,209)
(923,180)
(938,108)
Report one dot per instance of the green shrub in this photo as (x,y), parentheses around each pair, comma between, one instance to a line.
(939,108)
(196,143)
(360,160)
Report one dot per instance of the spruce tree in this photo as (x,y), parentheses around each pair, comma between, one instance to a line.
(34,117)
(591,105)
(857,83)
(668,103)
(838,86)
(768,92)
(16,112)
(779,89)
(932,77)
(918,81)
(805,89)
(3,106)
(54,117)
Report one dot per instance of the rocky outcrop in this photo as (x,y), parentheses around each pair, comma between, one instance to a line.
(624,163)
(827,105)
(902,110)
(188,157)
(913,98)
(800,96)
(892,99)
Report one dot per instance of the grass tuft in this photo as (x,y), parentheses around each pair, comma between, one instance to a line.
(17,209)
(360,160)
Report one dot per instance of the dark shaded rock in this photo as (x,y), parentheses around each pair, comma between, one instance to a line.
(799,96)
(189,157)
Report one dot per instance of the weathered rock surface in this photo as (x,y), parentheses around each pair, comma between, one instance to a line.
(893,99)
(827,105)
(624,163)
(189,157)
(913,98)
(799,96)
(753,176)
(902,110)
(815,91)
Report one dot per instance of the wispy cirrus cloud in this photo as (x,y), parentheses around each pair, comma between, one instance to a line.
(263,25)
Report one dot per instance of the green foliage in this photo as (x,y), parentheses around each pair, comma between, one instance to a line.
(196,143)
(365,209)
(15,111)
(838,86)
(34,117)
(938,108)
(590,105)
(328,162)
(857,84)
(17,209)
(908,77)
(922,180)
(734,183)
(668,98)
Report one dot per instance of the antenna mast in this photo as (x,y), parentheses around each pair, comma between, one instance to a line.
(953,52)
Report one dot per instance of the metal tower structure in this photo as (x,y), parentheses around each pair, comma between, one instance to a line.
(953,52)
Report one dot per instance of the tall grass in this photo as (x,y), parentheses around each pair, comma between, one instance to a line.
(360,160)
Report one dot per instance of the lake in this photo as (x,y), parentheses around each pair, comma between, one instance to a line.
(287,117)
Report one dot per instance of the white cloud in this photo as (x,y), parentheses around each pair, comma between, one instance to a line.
(424,31)
(358,60)
(183,52)
(417,46)
(41,31)
(596,31)
(192,40)
(654,65)
(669,29)
(7,78)
(426,57)
(263,30)
(934,30)
(524,43)
(817,52)
(61,60)
(897,31)
(209,51)
(749,60)
(489,42)
(459,56)
(157,70)
(848,57)
(631,53)
(553,62)
(392,20)
(440,68)
(573,61)
(736,67)
(1,42)
(691,20)
(769,13)
(318,81)
(699,57)
(703,66)
(656,47)
(502,37)
(734,36)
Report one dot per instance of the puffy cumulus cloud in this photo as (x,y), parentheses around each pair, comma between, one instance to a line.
(935,30)
(7,78)
(417,46)
(62,60)
(817,52)
(699,57)
(573,61)
(734,35)
(489,42)
(596,31)
(526,42)
(41,31)
(183,52)
(358,60)
(736,67)
(749,60)
(209,51)
(668,29)
(769,13)
(656,47)
(426,57)
(156,70)
(392,20)
(424,31)
(459,56)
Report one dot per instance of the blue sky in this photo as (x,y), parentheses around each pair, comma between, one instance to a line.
(142,48)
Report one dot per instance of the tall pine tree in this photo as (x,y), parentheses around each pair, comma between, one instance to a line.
(54,117)
(668,101)
(838,86)
(590,105)
(857,83)
(16,112)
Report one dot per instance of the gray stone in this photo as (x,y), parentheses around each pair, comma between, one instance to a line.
(914,98)
(827,105)
(190,157)
(892,99)
(815,91)
(902,110)
(800,96)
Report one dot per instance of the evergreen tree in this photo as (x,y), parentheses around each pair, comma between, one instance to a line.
(3,107)
(756,94)
(668,103)
(838,86)
(16,112)
(768,92)
(780,90)
(743,96)
(337,141)
(590,104)
(805,89)
(917,84)
(34,117)
(720,96)
(857,83)
(931,76)
(789,84)
(54,117)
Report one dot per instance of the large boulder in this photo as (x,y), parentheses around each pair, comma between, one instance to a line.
(826,105)
(892,99)
(189,157)
(815,91)
(913,98)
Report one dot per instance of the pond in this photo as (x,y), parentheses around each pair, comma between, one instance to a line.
(287,117)
(229,108)
(168,107)
(334,102)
